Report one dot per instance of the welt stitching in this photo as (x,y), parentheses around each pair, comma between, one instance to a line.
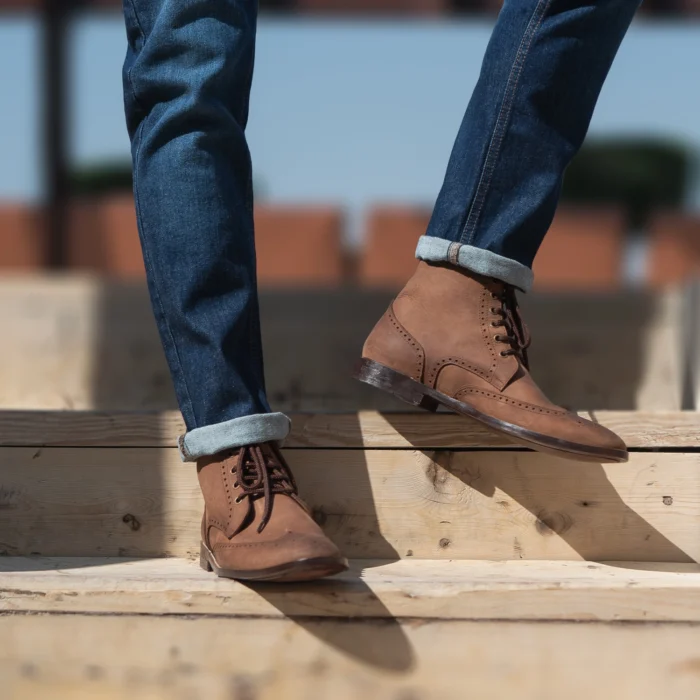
(502,120)
(237,545)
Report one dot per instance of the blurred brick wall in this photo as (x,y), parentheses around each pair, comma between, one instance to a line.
(23,242)
(674,248)
(299,246)
(388,255)
(303,246)
(296,246)
(670,7)
(103,237)
(583,250)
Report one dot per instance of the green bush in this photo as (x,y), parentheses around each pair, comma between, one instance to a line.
(640,175)
(102,178)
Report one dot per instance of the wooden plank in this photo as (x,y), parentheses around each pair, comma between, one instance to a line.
(382,504)
(81,343)
(408,589)
(364,429)
(691,384)
(372,429)
(608,351)
(75,657)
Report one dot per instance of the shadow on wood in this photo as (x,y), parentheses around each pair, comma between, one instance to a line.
(80,343)
(573,509)
(383,645)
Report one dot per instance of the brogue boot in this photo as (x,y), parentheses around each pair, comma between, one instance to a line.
(456,339)
(255,526)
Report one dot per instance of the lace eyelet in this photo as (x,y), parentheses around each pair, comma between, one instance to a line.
(495,324)
(235,486)
(498,338)
(503,353)
(238,500)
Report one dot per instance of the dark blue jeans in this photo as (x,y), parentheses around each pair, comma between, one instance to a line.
(543,71)
(187,79)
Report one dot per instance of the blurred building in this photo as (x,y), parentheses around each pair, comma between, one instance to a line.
(587,248)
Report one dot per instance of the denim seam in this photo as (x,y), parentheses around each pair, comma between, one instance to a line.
(143,39)
(151,269)
(500,129)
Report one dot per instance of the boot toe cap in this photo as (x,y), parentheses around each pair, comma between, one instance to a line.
(292,548)
(598,436)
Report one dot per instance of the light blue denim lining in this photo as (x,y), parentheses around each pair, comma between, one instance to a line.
(248,430)
(483,262)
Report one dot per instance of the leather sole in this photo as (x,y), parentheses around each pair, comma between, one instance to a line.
(417,394)
(293,571)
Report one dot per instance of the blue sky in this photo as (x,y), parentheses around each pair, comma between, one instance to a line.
(342,112)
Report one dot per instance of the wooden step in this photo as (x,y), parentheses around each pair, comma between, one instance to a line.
(404,589)
(641,430)
(423,505)
(81,343)
(383,487)
(128,657)
(74,629)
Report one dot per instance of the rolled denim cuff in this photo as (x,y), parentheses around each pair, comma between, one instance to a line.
(483,262)
(248,430)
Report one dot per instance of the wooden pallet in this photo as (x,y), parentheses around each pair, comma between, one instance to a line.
(474,565)
(383,485)
(453,589)
(425,505)
(123,657)
(80,343)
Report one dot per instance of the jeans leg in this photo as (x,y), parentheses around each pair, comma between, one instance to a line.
(540,80)
(187,79)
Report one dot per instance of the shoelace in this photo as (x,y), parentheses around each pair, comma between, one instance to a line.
(262,472)
(517,335)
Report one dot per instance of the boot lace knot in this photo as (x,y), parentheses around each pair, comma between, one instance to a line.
(262,472)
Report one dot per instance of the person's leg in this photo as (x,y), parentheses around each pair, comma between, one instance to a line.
(454,335)
(541,77)
(187,80)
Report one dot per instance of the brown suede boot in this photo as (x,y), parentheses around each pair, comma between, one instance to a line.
(255,526)
(455,338)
